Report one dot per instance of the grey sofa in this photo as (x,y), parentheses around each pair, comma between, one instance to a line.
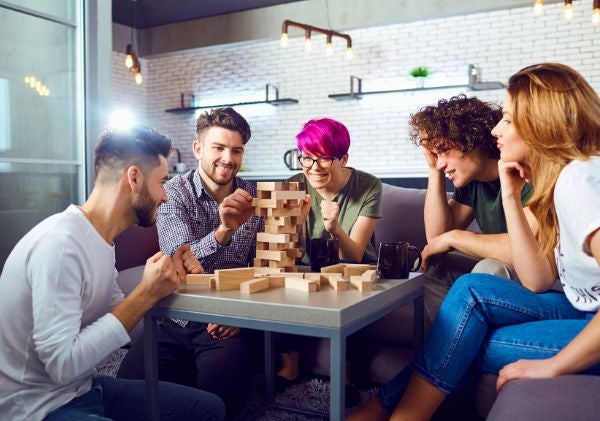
(384,348)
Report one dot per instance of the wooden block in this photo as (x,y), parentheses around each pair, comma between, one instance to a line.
(273,229)
(228,279)
(355,269)
(338,283)
(271,255)
(287,195)
(296,185)
(300,284)
(293,252)
(370,275)
(298,275)
(313,276)
(284,212)
(272,185)
(267,203)
(338,268)
(262,246)
(273,238)
(260,263)
(266,271)
(199,279)
(276,281)
(361,284)
(254,285)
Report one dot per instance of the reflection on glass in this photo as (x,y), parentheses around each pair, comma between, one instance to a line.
(64,9)
(40,130)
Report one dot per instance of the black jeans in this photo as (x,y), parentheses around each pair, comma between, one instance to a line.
(190,356)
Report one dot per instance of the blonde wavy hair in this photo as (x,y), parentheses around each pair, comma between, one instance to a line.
(557,113)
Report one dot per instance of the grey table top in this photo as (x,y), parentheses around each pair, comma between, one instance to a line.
(327,307)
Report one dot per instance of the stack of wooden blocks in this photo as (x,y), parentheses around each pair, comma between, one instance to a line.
(278,204)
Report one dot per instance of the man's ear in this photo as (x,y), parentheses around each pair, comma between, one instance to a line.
(197,148)
(135,178)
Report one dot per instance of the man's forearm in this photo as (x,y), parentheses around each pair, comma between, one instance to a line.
(131,310)
(482,246)
(437,214)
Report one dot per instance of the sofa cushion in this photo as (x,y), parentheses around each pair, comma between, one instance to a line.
(134,246)
(573,398)
(402,216)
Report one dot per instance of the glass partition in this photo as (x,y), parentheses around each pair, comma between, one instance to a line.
(41,137)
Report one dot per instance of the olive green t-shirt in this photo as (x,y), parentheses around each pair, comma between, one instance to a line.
(486,201)
(361,196)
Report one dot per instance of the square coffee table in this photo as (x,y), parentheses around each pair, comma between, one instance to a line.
(326,313)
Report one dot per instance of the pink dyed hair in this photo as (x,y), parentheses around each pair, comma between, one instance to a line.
(324,137)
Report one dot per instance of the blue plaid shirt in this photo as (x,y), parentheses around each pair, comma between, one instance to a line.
(191,216)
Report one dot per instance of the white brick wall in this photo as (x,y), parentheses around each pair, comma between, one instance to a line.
(499,43)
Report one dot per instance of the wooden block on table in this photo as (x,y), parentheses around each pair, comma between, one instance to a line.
(254,285)
(338,283)
(298,275)
(266,271)
(338,268)
(273,238)
(370,275)
(360,283)
(228,279)
(351,269)
(300,284)
(199,279)
(276,281)
(272,185)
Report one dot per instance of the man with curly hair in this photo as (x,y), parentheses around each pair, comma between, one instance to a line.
(456,140)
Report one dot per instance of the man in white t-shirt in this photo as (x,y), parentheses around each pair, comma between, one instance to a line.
(61,311)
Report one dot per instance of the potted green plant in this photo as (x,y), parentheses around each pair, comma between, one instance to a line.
(419,74)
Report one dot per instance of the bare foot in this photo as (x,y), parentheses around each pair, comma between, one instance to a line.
(371,410)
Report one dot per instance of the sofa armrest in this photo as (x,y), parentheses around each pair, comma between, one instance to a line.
(573,398)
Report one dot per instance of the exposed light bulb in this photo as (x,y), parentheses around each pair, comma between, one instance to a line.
(538,8)
(307,44)
(138,77)
(568,11)
(284,41)
(129,61)
(349,53)
(329,49)
(596,17)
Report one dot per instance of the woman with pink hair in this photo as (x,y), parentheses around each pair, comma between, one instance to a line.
(341,202)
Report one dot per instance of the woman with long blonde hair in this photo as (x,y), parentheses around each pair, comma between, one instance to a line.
(549,134)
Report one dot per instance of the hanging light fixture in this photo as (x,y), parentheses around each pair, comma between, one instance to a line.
(568,10)
(308,31)
(538,8)
(132,61)
(596,13)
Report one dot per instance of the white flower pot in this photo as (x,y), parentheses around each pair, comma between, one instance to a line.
(420,82)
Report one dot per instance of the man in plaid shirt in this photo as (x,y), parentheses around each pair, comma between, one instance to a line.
(210,209)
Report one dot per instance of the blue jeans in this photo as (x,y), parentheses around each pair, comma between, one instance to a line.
(489,321)
(120,399)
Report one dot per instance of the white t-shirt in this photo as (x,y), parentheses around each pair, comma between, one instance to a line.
(55,290)
(577,201)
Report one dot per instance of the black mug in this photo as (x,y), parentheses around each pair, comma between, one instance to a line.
(397,259)
(323,252)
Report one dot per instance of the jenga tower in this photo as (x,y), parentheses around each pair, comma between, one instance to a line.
(277,203)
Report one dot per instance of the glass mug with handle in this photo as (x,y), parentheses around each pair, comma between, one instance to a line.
(323,252)
(397,259)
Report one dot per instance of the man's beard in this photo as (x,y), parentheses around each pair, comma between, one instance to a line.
(210,171)
(145,209)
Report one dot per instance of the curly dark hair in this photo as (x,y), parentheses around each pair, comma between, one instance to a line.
(226,118)
(460,123)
